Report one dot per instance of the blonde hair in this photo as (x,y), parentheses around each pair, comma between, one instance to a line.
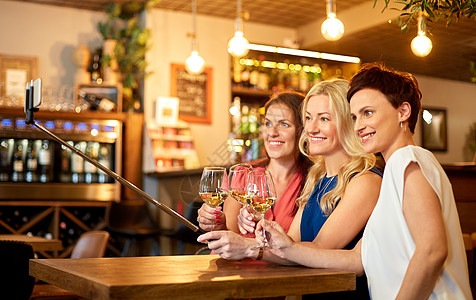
(359,161)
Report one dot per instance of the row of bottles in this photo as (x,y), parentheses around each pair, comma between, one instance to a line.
(23,160)
(275,77)
(245,142)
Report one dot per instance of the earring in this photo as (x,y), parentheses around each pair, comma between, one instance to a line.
(403,126)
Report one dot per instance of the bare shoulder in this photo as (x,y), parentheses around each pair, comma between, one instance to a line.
(366,178)
(363,188)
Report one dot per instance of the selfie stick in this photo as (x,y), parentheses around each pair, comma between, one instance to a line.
(30,108)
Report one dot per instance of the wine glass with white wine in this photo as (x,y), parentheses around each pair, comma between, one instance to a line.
(263,195)
(241,175)
(214,185)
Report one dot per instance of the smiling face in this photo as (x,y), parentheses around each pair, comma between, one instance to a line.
(377,122)
(279,132)
(320,128)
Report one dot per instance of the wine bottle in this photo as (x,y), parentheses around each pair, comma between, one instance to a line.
(65,173)
(294,80)
(95,67)
(105,160)
(236,78)
(45,160)
(90,170)
(77,164)
(303,82)
(263,79)
(31,162)
(245,77)
(254,75)
(17,162)
(4,160)
(96,102)
(245,124)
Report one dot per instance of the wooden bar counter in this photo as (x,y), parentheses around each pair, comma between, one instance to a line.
(38,244)
(185,277)
(463,179)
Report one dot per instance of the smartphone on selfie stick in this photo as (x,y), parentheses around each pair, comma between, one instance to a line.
(33,101)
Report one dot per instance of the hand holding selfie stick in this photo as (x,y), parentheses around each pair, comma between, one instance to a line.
(33,100)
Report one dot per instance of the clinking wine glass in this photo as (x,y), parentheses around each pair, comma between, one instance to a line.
(213,186)
(263,196)
(241,175)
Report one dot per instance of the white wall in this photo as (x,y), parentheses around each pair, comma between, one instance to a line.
(51,33)
(459,99)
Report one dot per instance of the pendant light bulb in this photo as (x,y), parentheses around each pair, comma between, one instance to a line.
(238,45)
(194,63)
(421,45)
(332,28)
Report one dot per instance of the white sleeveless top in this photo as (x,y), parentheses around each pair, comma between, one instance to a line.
(387,245)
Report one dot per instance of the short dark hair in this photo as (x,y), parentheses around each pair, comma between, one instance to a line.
(398,87)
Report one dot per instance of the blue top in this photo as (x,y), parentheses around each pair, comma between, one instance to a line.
(311,222)
(313,218)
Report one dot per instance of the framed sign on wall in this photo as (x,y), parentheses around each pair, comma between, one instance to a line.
(194,93)
(15,72)
(433,129)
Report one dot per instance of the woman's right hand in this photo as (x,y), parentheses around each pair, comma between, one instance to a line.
(247,219)
(211,218)
(278,239)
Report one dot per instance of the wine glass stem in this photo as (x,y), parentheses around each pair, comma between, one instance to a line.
(265,240)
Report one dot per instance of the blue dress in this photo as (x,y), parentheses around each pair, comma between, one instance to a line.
(313,217)
(312,220)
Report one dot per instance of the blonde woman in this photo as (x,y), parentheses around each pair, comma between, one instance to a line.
(341,188)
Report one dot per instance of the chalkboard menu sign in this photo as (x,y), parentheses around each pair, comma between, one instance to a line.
(194,93)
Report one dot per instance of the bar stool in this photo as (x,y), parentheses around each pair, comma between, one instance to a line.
(91,244)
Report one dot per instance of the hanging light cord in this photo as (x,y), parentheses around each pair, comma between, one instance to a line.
(238,16)
(421,24)
(194,25)
(330,7)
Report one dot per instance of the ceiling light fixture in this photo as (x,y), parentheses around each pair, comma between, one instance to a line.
(421,45)
(238,44)
(332,28)
(194,63)
(304,53)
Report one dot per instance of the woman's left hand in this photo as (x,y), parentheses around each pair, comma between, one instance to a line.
(229,245)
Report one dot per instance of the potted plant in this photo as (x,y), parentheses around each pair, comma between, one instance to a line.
(122,27)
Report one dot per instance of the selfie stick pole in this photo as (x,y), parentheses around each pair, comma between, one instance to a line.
(30,109)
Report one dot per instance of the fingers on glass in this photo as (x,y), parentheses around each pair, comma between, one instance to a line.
(214,185)
(239,178)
